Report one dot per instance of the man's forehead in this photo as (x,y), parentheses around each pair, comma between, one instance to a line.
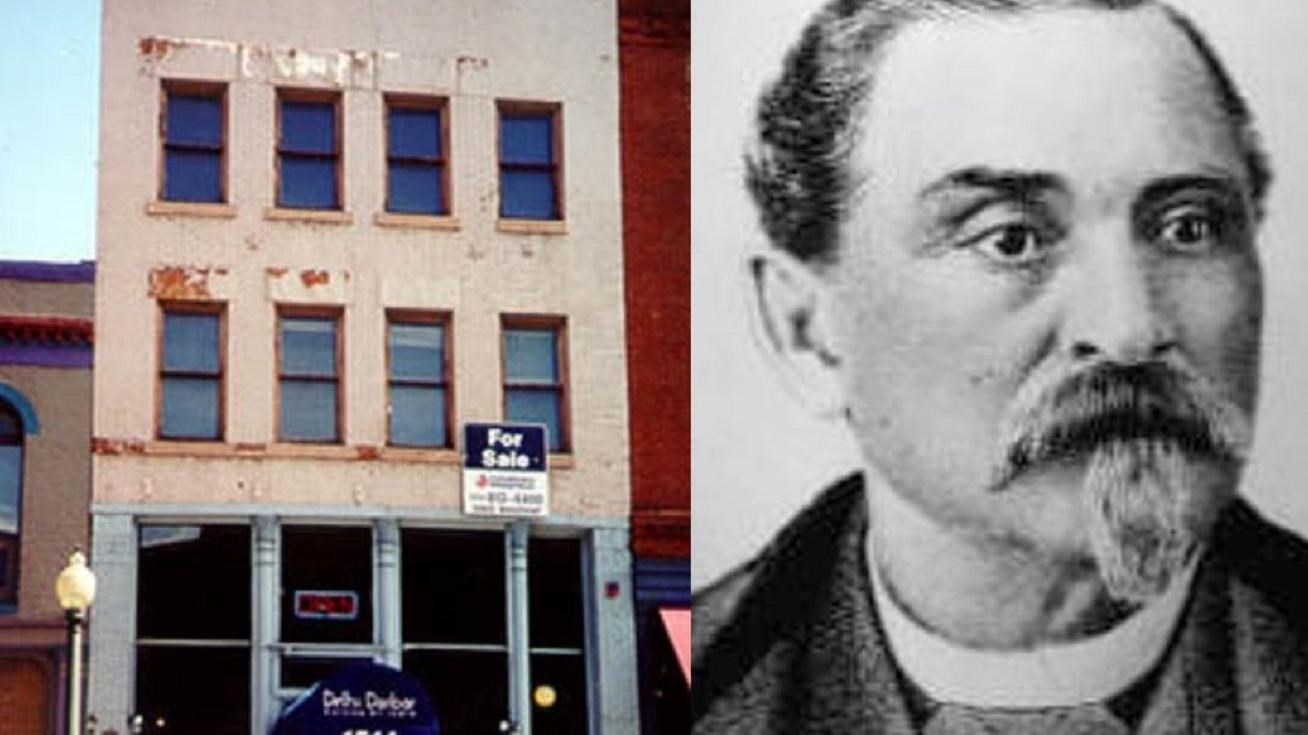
(1090,94)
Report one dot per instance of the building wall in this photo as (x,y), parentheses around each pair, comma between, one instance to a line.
(655,48)
(45,327)
(655,41)
(480,54)
(56,483)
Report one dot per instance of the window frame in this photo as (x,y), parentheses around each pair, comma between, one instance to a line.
(337,156)
(553,110)
(192,88)
(440,105)
(540,322)
(217,309)
(337,316)
(443,319)
(14,547)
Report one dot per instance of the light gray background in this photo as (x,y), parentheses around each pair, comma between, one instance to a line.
(757,457)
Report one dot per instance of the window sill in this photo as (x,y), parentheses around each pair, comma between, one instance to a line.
(417,221)
(532,226)
(295,450)
(322,216)
(191,209)
(443,455)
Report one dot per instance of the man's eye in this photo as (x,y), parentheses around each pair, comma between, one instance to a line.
(1190,230)
(1011,244)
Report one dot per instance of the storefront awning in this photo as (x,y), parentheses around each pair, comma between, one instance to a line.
(677,623)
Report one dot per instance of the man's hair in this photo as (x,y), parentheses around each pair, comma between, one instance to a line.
(808,120)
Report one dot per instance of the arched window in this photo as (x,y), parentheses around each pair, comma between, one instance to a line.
(11,499)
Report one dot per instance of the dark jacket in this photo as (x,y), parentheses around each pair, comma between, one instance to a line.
(790,643)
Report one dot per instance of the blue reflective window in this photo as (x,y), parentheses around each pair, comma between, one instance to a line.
(531,356)
(192,176)
(193,147)
(196,119)
(11,500)
(417,351)
(527,138)
(308,155)
(308,411)
(415,160)
(533,380)
(414,132)
(307,183)
(190,408)
(190,376)
(418,384)
(527,195)
(191,342)
(309,347)
(418,416)
(11,487)
(536,407)
(308,127)
(415,188)
(308,379)
(529,170)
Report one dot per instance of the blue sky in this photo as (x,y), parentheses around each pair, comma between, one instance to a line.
(49,84)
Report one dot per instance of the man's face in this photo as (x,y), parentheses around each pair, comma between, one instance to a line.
(1043,195)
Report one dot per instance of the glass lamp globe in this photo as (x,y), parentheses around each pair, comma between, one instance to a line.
(75,586)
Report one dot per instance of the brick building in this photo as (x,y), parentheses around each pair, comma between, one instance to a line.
(330,236)
(655,48)
(45,477)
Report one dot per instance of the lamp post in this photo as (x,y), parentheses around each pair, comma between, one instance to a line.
(75,588)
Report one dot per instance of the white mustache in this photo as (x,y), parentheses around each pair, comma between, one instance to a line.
(1113,402)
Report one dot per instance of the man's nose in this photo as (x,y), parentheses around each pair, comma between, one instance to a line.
(1116,311)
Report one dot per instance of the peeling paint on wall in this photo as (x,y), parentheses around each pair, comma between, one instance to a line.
(312,278)
(180,282)
(154,46)
(114,447)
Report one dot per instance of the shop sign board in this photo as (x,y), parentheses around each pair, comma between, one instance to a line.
(362,699)
(505,470)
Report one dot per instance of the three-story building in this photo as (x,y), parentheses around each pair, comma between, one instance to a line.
(331,235)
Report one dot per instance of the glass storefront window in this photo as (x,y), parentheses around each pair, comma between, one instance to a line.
(469,689)
(554,578)
(331,564)
(453,586)
(193,629)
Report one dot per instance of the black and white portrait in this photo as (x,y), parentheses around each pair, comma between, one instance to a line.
(999,340)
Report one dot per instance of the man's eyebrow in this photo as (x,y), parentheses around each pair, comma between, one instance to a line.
(1009,183)
(1212,182)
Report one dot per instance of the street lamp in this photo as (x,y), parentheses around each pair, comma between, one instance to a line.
(75,588)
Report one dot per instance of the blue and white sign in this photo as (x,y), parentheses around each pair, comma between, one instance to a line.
(505,470)
(363,698)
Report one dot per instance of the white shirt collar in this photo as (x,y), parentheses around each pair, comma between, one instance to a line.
(1061,674)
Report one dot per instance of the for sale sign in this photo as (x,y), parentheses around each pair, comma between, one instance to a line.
(505,470)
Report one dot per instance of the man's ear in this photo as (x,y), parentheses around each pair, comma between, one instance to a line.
(793,314)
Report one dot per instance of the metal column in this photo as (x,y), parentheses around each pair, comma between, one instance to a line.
(519,630)
(386,537)
(266,611)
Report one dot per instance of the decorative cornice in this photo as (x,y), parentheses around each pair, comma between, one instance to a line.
(56,331)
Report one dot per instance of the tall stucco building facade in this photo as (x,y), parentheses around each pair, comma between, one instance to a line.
(329,236)
(45,478)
